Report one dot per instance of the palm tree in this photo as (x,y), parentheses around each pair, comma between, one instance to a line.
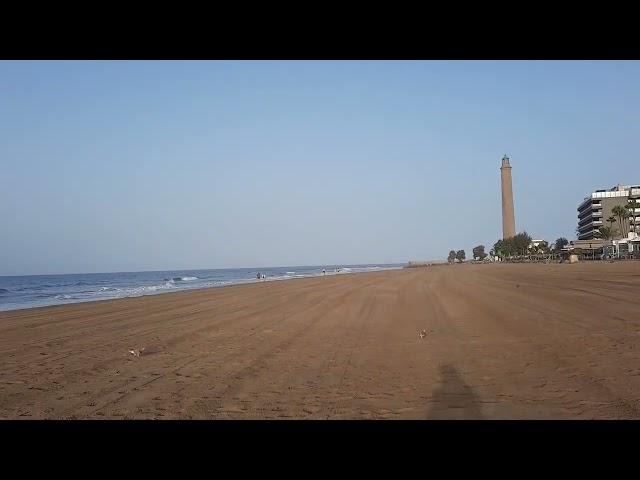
(611,220)
(621,213)
(606,233)
(631,206)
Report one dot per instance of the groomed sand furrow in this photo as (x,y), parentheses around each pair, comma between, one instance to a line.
(200,335)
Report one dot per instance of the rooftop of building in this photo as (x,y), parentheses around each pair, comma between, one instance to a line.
(613,192)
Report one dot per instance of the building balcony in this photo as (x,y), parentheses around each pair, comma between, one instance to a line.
(586,213)
(593,225)
(587,235)
(590,216)
(585,204)
(585,221)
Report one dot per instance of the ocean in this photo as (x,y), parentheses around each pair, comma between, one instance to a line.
(17,292)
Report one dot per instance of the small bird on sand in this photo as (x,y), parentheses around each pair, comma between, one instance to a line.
(136,353)
(423,333)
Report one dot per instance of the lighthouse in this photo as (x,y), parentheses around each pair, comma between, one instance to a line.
(508,218)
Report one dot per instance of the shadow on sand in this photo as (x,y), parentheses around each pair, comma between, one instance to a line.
(454,399)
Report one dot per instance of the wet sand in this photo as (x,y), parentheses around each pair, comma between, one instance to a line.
(503,342)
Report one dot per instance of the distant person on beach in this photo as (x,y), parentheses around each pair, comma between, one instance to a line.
(324,272)
(258,276)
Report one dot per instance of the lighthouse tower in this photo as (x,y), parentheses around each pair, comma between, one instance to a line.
(508,218)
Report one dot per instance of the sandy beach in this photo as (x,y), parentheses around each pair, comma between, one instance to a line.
(503,342)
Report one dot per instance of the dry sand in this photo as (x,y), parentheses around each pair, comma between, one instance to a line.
(503,342)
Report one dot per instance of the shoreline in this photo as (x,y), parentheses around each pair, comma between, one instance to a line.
(198,288)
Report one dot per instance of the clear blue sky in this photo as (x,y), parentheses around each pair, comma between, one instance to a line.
(123,166)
